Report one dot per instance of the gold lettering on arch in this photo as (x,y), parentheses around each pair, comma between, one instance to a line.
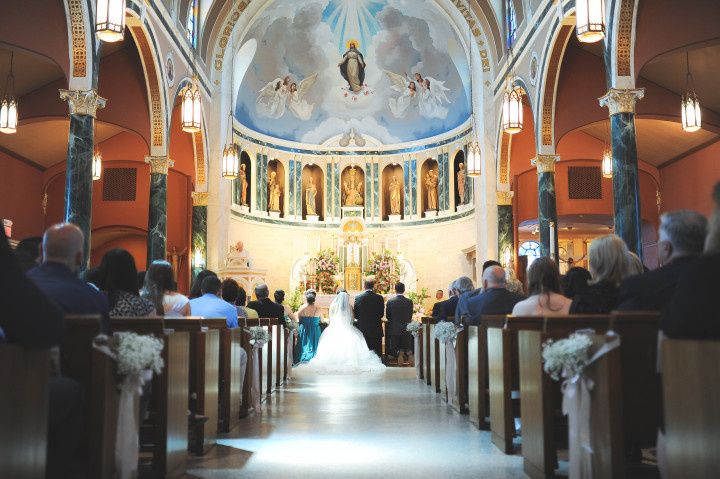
(227,31)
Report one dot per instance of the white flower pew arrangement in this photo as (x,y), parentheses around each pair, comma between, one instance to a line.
(446,332)
(292,327)
(259,337)
(413,327)
(137,357)
(566,360)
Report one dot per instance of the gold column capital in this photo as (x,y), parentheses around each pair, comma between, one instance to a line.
(159,164)
(200,198)
(545,163)
(504,198)
(83,102)
(621,100)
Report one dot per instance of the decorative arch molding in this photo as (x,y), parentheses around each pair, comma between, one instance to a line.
(552,61)
(81,44)
(623,14)
(157,103)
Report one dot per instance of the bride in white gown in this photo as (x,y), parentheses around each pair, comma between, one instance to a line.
(342,347)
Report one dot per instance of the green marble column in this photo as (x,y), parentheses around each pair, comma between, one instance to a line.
(626,185)
(547,208)
(83,107)
(506,229)
(199,232)
(157,213)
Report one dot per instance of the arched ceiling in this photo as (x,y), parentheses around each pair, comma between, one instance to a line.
(304,42)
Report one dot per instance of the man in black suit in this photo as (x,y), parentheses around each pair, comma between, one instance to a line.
(264,306)
(399,311)
(494,298)
(445,310)
(369,309)
(681,237)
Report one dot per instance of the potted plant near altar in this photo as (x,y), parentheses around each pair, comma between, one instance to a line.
(327,265)
(384,267)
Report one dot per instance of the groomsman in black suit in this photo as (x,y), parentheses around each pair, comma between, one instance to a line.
(369,309)
(399,311)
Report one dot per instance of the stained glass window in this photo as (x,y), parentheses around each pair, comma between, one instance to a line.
(511,20)
(191,24)
(531,249)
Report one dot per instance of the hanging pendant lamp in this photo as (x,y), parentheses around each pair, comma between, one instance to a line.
(110,20)
(8,106)
(474,160)
(230,162)
(191,113)
(590,20)
(512,110)
(691,117)
(607,163)
(96,165)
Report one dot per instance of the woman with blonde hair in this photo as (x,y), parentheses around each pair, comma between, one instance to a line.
(608,258)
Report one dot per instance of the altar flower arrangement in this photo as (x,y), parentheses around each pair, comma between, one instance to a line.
(566,358)
(259,335)
(413,327)
(327,265)
(418,299)
(444,331)
(385,267)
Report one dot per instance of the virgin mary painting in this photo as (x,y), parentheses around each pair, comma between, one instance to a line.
(352,67)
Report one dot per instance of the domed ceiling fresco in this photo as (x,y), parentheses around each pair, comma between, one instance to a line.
(394,70)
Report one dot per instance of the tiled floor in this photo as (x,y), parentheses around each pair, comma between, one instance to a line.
(383,425)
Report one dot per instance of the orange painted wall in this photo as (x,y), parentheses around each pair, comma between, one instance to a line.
(688,183)
(21,196)
(135,245)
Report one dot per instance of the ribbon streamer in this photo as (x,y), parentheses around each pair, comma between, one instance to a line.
(416,352)
(289,347)
(255,389)
(450,371)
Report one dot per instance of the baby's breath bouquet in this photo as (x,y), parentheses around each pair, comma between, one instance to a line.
(413,327)
(566,358)
(444,331)
(137,353)
(259,335)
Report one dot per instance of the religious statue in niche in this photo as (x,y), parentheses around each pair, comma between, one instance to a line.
(310,195)
(274,190)
(242,181)
(352,188)
(352,67)
(395,196)
(238,257)
(431,183)
(461,182)
(280,93)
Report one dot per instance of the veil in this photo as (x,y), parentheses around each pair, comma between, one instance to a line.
(340,310)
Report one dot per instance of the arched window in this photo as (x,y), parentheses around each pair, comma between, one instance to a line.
(511,22)
(191,23)
(531,249)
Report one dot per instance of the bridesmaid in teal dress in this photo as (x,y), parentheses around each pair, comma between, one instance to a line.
(309,330)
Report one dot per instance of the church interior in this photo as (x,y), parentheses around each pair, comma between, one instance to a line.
(316,144)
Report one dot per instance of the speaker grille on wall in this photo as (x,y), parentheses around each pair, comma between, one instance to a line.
(119,184)
(584,183)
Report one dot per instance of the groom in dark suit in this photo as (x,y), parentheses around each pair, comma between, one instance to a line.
(399,311)
(369,309)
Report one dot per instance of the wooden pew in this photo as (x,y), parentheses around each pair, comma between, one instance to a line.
(691,400)
(246,405)
(24,375)
(477,375)
(504,374)
(169,394)
(276,333)
(460,401)
(231,379)
(268,360)
(427,347)
(95,371)
(420,357)
(203,377)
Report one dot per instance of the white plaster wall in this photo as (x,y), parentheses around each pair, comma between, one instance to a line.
(435,250)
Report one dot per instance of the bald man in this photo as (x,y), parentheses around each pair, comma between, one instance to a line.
(494,298)
(57,276)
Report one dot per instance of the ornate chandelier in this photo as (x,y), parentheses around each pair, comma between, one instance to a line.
(230,162)
(691,117)
(512,110)
(110,20)
(191,113)
(474,160)
(8,106)
(607,163)
(590,20)
(96,165)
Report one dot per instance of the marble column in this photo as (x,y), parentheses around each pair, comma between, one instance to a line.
(199,232)
(547,209)
(626,186)
(157,213)
(83,107)
(506,229)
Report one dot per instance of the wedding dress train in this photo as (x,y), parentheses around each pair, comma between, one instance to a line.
(342,347)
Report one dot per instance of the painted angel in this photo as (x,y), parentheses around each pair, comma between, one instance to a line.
(296,99)
(408,94)
(432,96)
(272,98)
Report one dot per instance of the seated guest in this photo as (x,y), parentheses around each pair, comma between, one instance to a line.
(159,289)
(690,314)
(92,277)
(608,259)
(575,281)
(398,312)
(439,307)
(494,298)
(57,276)
(431,302)
(118,280)
(635,265)
(489,263)
(447,308)
(544,288)
(279,298)
(211,305)
(29,253)
(195,291)
(230,293)
(680,240)
(264,305)
(513,284)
